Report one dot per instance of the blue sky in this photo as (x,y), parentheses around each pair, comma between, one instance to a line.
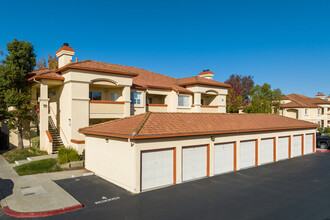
(283,43)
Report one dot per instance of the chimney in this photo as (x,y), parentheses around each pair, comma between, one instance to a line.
(328,98)
(206,74)
(64,55)
(320,95)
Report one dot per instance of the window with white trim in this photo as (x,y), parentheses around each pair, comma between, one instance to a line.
(306,111)
(136,98)
(183,101)
(94,95)
(319,111)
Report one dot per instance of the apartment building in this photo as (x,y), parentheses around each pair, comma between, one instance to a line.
(83,93)
(316,110)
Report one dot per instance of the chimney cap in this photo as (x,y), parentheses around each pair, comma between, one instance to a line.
(65,44)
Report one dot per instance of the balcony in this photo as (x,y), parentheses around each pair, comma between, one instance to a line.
(156,107)
(209,108)
(106,109)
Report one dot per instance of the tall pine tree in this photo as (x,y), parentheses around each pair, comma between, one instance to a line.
(14,90)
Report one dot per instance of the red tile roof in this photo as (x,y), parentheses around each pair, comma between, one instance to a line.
(300,101)
(44,73)
(200,80)
(206,72)
(156,125)
(144,78)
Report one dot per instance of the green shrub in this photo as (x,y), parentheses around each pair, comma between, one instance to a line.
(35,142)
(67,154)
(327,130)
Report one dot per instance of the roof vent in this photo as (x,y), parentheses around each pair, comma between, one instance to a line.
(65,44)
(206,70)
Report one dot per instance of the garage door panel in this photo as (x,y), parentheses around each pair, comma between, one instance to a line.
(283,148)
(308,146)
(266,151)
(194,162)
(296,146)
(247,154)
(156,168)
(223,158)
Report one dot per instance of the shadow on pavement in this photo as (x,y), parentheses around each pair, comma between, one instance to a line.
(6,188)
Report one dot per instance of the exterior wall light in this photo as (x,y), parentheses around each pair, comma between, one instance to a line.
(212,138)
(106,140)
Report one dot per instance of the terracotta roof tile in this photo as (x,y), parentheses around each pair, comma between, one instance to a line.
(45,73)
(153,125)
(200,80)
(300,101)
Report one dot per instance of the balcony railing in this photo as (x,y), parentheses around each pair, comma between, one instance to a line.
(106,109)
(157,107)
(209,108)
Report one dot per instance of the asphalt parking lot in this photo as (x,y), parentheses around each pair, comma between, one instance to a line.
(291,189)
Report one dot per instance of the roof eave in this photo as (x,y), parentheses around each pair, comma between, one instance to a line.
(195,134)
(67,67)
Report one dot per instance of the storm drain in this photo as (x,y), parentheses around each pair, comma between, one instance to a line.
(32,190)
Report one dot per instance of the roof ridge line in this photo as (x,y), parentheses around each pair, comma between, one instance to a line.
(140,125)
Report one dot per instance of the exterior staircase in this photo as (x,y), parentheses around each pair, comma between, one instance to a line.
(57,141)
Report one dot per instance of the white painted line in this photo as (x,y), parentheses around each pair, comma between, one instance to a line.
(17,163)
(29,159)
(88,174)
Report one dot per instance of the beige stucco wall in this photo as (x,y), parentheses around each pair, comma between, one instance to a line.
(113,161)
(100,155)
(311,116)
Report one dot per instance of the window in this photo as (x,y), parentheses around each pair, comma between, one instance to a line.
(306,111)
(113,97)
(183,101)
(202,101)
(149,100)
(95,95)
(136,98)
(318,111)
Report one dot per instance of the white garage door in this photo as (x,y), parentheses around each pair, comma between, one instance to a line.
(247,154)
(308,144)
(283,148)
(156,168)
(267,151)
(296,146)
(194,162)
(223,158)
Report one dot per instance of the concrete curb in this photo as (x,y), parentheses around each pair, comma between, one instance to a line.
(322,151)
(11,212)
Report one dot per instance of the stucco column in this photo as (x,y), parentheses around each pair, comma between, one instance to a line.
(258,144)
(43,120)
(197,101)
(211,162)
(238,157)
(179,164)
(221,102)
(127,100)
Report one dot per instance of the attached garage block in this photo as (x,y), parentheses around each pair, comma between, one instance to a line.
(296,145)
(247,154)
(156,168)
(194,162)
(223,158)
(283,148)
(308,144)
(267,150)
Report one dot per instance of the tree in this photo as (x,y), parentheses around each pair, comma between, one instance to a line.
(234,100)
(239,94)
(264,100)
(14,91)
(52,62)
(41,63)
